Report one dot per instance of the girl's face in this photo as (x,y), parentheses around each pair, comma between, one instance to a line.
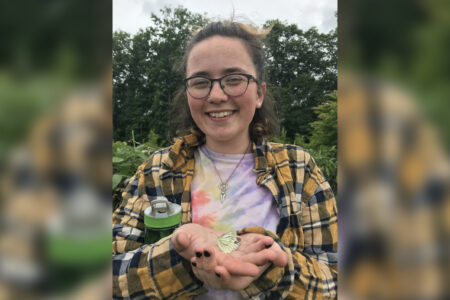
(223,119)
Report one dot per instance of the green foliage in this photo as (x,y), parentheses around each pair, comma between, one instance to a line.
(326,159)
(324,129)
(322,144)
(301,68)
(143,78)
(282,138)
(127,158)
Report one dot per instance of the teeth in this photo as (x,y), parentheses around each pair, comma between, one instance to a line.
(220,114)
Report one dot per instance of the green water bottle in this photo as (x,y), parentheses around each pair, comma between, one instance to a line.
(160,218)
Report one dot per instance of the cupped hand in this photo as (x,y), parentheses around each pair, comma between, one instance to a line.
(226,271)
(190,241)
(256,249)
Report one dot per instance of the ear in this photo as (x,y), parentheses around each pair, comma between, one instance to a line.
(261,92)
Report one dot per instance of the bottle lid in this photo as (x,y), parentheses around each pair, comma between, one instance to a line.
(161,213)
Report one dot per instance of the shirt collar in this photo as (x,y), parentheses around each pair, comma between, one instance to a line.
(181,150)
(184,147)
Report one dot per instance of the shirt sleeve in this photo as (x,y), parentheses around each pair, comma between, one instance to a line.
(143,271)
(311,247)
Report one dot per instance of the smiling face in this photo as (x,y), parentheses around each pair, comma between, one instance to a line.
(223,119)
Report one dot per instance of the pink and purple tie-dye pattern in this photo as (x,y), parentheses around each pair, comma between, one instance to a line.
(246,204)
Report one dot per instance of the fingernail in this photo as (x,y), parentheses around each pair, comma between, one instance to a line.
(198,254)
(268,246)
(194,264)
(206,253)
(218,275)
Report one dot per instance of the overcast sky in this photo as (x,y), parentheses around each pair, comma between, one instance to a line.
(131,15)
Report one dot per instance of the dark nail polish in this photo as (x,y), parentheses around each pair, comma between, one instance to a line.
(207,254)
(194,264)
(218,275)
(268,246)
(198,254)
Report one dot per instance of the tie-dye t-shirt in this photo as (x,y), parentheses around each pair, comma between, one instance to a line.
(246,204)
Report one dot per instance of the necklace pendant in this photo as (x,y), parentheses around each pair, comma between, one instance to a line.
(223,191)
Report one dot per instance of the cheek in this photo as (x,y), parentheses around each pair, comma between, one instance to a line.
(251,105)
(195,107)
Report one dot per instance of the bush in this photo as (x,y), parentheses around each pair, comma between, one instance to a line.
(126,159)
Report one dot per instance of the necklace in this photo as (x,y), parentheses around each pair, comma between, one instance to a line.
(223,186)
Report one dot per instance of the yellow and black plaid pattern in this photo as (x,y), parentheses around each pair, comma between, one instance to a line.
(307,230)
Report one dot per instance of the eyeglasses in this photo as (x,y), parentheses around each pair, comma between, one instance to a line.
(233,85)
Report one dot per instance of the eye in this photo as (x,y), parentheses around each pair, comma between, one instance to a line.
(234,79)
(198,83)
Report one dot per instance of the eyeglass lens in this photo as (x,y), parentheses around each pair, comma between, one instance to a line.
(232,85)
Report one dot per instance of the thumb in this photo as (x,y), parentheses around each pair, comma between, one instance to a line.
(181,241)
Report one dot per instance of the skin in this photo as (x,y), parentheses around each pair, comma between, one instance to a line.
(213,58)
(234,271)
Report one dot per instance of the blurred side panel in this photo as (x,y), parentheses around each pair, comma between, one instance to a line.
(394,167)
(55,149)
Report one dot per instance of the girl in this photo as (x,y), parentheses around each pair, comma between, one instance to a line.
(228,180)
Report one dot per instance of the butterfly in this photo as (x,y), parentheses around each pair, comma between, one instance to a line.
(228,242)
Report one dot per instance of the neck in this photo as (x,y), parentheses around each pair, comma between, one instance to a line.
(227,148)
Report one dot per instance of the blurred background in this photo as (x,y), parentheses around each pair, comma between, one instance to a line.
(394,138)
(393,151)
(55,149)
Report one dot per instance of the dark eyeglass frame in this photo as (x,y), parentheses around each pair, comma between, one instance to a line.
(211,80)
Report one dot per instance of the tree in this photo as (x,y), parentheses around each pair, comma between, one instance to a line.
(144,80)
(323,141)
(324,129)
(121,69)
(302,68)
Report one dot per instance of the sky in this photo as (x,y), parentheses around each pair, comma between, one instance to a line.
(132,15)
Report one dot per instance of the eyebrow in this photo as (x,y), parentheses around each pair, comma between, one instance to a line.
(224,71)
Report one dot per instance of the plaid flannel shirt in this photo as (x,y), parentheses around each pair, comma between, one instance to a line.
(307,230)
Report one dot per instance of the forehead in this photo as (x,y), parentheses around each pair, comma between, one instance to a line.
(217,54)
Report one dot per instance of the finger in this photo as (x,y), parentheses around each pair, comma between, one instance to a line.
(198,257)
(205,258)
(237,266)
(268,241)
(254,246)
(194,262)
(209,258)
(260,258)
(181,241)
(210,278)
(260,243)
(213,281)
(195,269)
(231,282)
(280,259)
(222,275)
(198,252)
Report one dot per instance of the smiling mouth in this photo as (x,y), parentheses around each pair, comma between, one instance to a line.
(221,114)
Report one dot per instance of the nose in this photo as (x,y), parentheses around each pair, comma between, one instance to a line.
(216,94)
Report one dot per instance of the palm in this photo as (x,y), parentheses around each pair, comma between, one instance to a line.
(235,270)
